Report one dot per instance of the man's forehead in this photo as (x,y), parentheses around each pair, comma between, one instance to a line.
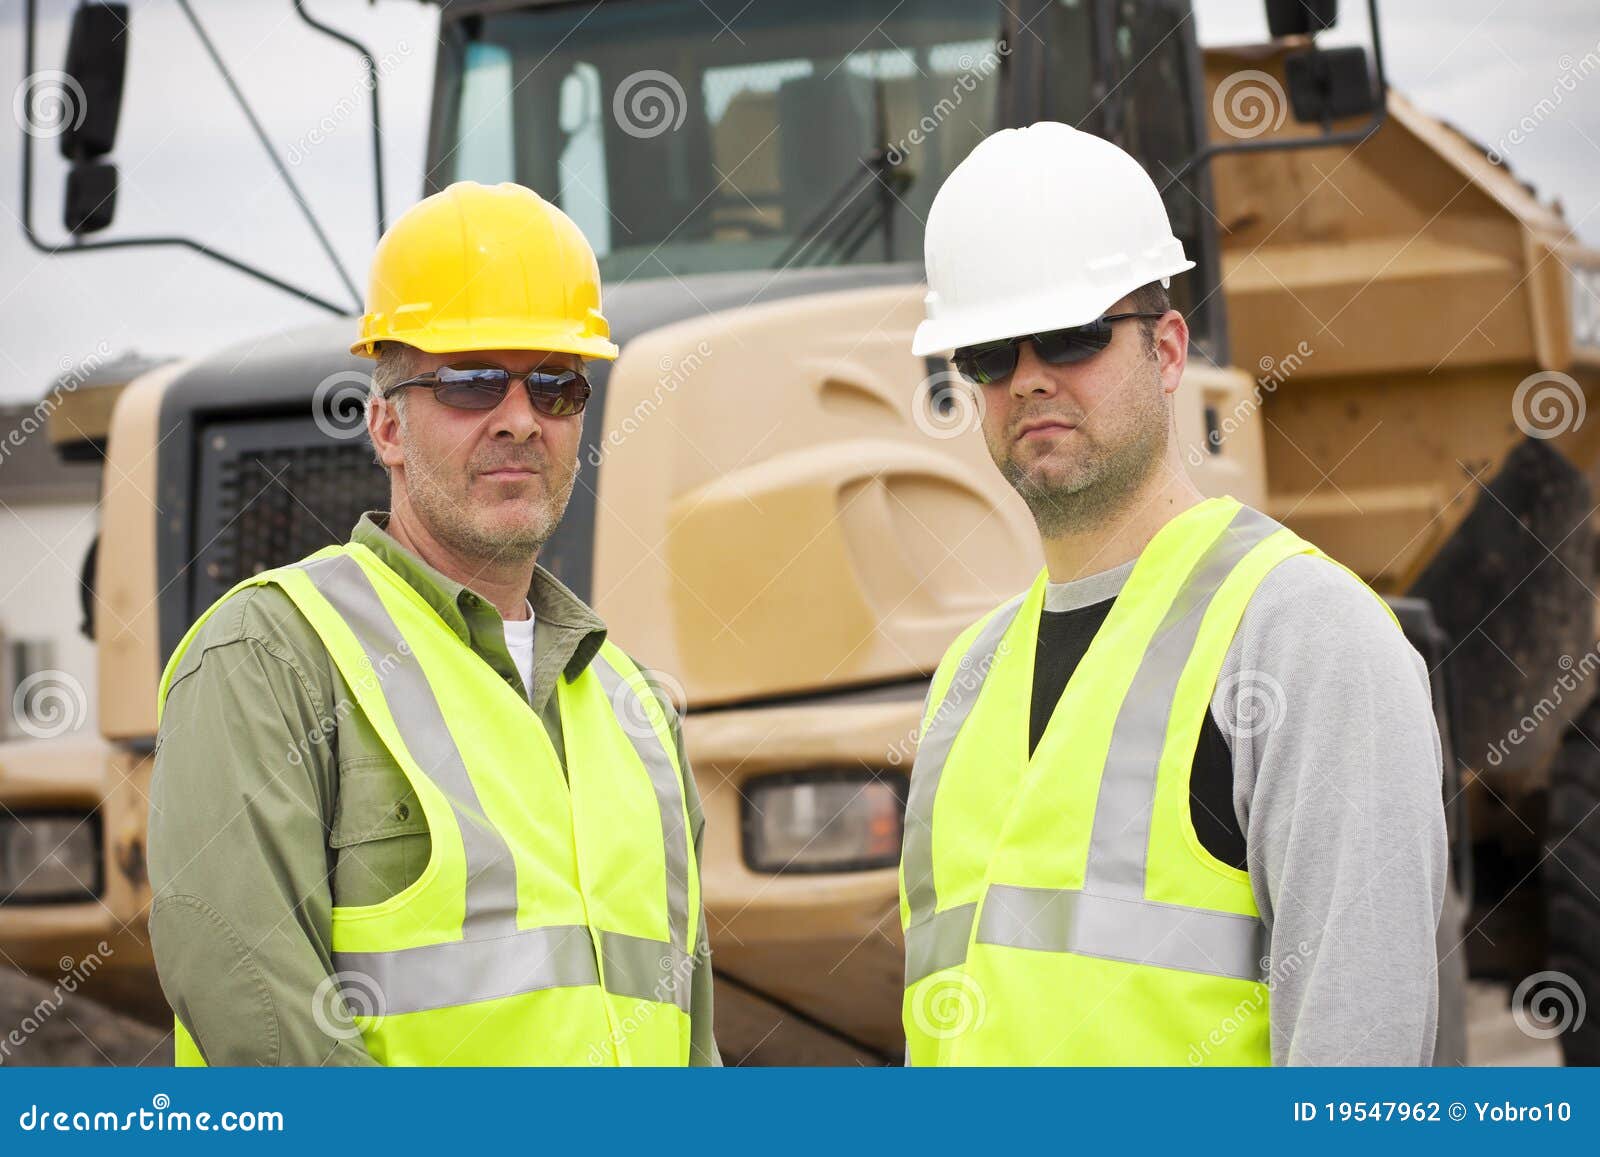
(510,359)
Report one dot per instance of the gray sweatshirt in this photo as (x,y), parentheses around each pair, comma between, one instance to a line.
(1327,712)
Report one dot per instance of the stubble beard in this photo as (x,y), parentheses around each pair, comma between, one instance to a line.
(1101,479)
(450,517)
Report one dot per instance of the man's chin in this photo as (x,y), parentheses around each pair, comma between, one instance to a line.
(1047,478)
(523,524)
(499,530)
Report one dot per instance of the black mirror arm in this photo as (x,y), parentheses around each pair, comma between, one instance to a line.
(1323,140)
(33,238)
(372,84)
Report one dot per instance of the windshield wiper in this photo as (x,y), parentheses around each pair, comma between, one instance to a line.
(844,223)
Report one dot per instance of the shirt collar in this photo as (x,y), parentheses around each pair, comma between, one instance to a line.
(553,604)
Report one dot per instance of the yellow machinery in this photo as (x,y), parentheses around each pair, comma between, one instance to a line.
(789,516)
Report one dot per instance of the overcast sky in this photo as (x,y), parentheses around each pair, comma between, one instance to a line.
(190,165)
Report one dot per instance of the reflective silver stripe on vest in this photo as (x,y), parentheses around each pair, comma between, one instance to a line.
(635,723)
(466,971)
(494,959)
(1137,931)
(491,901)
(1120,841)
(939,941)
(933,752)
(647,969)
(1110,918)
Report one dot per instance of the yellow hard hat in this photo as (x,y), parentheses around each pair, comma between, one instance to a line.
(485,267)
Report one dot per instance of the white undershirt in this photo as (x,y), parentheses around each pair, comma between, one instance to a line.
(519,641)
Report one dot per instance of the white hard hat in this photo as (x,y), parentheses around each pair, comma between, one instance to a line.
(1038,229)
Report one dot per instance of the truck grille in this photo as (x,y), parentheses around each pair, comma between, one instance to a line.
(272,492)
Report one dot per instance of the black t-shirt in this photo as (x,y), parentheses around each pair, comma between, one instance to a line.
(1064,637)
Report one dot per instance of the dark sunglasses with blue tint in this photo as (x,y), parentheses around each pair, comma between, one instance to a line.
(992,361)
(483,387)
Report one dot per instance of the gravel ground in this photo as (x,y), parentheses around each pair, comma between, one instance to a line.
(71,1030)
(1494,1038)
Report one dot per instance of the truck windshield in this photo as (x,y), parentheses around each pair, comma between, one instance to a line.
(697,136)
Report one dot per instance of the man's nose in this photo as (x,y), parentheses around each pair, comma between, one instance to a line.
(515,418)
(1032,377)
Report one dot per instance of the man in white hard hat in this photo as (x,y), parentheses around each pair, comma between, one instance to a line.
(1178,802)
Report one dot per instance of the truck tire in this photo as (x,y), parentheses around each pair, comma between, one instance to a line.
(1572,893)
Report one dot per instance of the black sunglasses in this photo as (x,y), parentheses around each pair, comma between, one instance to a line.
(483,387)
(983,364)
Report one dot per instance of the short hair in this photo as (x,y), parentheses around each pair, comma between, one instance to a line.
(1150,298)
(396,362)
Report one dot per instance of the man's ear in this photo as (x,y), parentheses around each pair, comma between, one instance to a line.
(1172,349)
(383,427)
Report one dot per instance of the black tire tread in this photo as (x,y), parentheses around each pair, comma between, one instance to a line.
(1571,877)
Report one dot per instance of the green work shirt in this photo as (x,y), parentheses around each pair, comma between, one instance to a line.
(272,799)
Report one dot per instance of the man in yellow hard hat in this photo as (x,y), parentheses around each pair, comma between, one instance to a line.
(410,805)
(1179,802)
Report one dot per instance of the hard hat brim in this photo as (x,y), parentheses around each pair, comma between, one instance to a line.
(473,338)
(1004,320)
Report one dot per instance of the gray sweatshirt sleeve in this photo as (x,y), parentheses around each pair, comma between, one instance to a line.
(1336,764)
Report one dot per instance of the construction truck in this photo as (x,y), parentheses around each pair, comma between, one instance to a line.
(789,516)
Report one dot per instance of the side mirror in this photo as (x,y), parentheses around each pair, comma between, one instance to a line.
(1301,17)
(1324,85)
(97,57)
(1329,84)
(91,199)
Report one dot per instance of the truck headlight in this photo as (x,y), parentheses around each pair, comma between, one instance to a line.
(49,858)
(823,821)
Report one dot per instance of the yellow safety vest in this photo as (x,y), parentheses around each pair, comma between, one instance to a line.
(1060,909)
(555,921)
